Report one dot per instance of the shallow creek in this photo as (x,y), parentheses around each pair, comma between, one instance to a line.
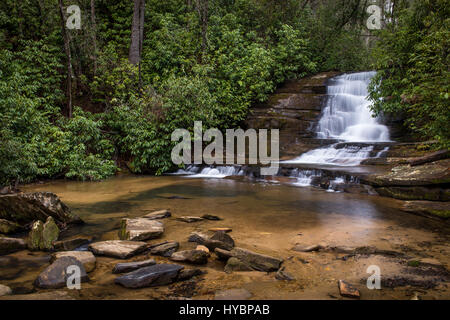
(268,218)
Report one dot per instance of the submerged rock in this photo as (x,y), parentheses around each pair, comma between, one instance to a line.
(187,274)
(140,229)
(160,214)
(190,256)
(121,249)
(24,208)
(131,266)
(211,217)
(5,291)
(71,244)
(234,264)
(165,249)
(233,294)
(283,275)
(156,275)
(306,248)
(347,290)
(8,227)
(428,208)
(10,245)
(55,276)
(189,219)
(85,257)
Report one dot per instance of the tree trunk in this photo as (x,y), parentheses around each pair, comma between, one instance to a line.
(202,9)
(134,55)
(68,57)
(94,35)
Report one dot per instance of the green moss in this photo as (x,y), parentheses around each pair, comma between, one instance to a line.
(413,263)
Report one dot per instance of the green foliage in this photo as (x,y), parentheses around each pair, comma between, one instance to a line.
(414,70)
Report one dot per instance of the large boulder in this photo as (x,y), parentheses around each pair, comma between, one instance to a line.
(156,275)
(121,249)
(140,229)
(191,256)
(10,245)
(55,276)
(24,208)
(85,257)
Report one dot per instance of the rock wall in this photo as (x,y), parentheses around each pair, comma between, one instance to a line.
(295,109)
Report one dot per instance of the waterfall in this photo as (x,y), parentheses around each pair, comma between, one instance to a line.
(347,117)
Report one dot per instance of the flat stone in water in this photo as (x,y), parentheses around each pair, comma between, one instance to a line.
(131,266)
(140,229)
(189,219)
(71,244)
(211,217)
(160,214)
(121,249)
(257,261)
(191,256)
(165,249)
(306,248)
(156,275)
(55,276)
(85,257)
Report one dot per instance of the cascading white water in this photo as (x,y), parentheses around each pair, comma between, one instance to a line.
(210,172)
(347,117)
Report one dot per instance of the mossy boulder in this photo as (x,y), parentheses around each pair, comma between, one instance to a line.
(43,236)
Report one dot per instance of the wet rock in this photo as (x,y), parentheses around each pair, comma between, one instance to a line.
(198,237)
(187,274)
(35,235)
(255,260)
(202,248)
(429,174)
(306,248)
(140,229)
(156,275)
(71,244)
(211,217)
(221,229)
(222,254)
(189,219)
(165,249)
(55,276)
(5,291)
(219,240)
(347,290)
(24,208)
(428,208)
(42,236)
(85,257)
(23,288)
(8,227)
(283,275)
(50,234)
(131,266)
(160,214)
(121,249)
(10,245)
(190,256)
(51,295)
(234,264)
(233,294)
(435,156)
(415,193)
